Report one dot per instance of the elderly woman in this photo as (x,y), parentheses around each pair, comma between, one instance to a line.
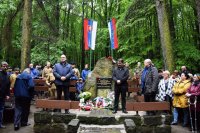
(180,101)
(194,91)
(165,88)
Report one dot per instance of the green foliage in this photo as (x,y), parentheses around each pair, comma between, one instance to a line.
(187,54)
(137,27)
(52,52)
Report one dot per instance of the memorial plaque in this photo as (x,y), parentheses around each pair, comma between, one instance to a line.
(104,83)
(103,86)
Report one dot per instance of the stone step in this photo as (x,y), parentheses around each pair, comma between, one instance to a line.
(83,128)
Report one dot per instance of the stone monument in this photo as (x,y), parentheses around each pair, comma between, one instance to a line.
(103,69)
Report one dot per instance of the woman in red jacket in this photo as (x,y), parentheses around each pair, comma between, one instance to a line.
(194,91)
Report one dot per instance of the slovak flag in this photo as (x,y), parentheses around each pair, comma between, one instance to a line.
(113,33)
(90,29)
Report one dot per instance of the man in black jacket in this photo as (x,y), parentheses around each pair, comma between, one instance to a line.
(120,76)
(4,89)
(149,80)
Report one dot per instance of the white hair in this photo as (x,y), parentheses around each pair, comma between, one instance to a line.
(148,61)
(167,72)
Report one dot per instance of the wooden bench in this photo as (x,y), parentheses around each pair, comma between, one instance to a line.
(72,87)
(147,106)
(40,86)
(73,82)
(133,86)
(39,82)
(130,106)
(56,104)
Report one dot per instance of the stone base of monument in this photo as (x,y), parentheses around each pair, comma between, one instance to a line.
(99,117)
(83,128)
(98,121)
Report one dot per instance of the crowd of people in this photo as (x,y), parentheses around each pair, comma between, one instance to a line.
(21,84)
(180,89)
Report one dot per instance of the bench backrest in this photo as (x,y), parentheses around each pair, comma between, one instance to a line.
(131,106)
(41,88)
(72,89)
(147,106)
(39,82)
(72,82)
(56,104)
(133,85)
(40,85)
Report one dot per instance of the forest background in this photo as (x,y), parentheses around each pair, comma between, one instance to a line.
(166,31)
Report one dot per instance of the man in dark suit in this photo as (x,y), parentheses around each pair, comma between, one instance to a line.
(120,77)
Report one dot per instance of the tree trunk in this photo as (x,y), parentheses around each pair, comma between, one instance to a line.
(171,20)
(64,20)
(198,16)
(196,30)
(92,9)
(68,19)
(26,34)
(107,48)
(57,16)
(51,25)
(82,41)
(165,35)
(6,39)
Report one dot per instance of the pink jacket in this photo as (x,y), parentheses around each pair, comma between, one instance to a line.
(194,90)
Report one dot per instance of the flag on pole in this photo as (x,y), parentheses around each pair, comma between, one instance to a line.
(113,33)
(90,29)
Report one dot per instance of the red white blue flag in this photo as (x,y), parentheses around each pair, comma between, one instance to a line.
(113,33)
(90,29)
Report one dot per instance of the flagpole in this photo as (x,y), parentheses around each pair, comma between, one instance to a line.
(82,43)
(90,60)
(112,53)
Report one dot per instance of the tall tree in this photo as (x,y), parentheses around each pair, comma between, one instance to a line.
(165,34)
(198,14)
(26,34)
(6,39)
(171,19)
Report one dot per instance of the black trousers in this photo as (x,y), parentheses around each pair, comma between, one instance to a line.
(60,89)
(120,89)
(22,109)
(169,99)
(150,98)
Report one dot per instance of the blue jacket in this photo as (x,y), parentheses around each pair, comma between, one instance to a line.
(73,76)
(24,85)
(80,86)
(62,69)
(150,80)
(34,73)
(85,73)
